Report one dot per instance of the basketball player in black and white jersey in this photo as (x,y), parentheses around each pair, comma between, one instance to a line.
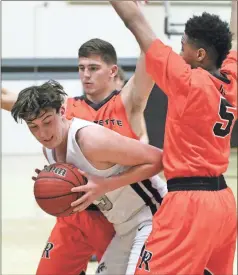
(102,153)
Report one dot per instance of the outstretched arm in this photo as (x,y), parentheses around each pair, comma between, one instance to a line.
(8,99)
(135,22)
(136,92)
(233,24)
(167,68)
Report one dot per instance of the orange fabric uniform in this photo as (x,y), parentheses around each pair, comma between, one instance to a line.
(110,113)
(73,240)
(76,238)
(196,225)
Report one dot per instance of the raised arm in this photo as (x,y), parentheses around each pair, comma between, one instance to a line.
(233,24)
(135,22)
(136,92)
(167,68)
(8,99)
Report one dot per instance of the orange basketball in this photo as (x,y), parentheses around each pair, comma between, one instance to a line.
(52,188)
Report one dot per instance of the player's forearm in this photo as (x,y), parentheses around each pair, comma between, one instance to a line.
(8,99)
(133,175)
(135,22)
(144,136)
(233,24)
(143,84)
(127,10)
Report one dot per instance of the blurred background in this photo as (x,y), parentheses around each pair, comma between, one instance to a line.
(40,41)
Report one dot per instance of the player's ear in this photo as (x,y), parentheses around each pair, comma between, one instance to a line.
(114,70)
(201,54)
(63,110)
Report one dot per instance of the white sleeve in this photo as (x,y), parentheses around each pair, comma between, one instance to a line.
(159,185)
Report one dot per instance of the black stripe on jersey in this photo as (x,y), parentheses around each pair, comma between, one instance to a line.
(146,198)
(222,77)
(97,106)
(82,97)
(148,185)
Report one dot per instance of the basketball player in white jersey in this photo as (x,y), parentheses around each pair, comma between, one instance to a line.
(8,99)
(103,153)
(133,98)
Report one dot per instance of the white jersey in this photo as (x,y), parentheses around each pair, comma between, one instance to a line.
(121,204)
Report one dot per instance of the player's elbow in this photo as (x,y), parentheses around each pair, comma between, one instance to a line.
(156,161)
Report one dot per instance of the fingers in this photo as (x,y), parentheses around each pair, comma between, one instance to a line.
(81,203)
(81,200)
(37,171)
(80,189)
(83,173)
(81,207)
(84,201)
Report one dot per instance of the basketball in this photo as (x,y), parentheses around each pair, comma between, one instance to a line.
(52,188)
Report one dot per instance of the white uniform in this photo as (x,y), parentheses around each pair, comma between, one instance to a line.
(129,208)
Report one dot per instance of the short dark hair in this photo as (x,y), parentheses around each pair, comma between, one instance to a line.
(32,100)
(208,31)
(99,47)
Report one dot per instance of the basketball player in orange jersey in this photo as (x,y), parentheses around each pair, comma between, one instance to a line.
(196,224)
(120,111)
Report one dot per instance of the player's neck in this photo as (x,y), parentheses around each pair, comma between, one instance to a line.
(101,95)
(61,150)
(212,69)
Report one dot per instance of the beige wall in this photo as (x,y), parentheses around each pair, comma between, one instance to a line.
(60,28)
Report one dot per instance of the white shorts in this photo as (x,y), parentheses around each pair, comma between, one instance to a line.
(122,254)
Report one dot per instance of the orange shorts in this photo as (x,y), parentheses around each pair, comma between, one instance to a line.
(192,230)
(73,241)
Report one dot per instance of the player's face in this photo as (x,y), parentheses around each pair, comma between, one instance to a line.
(48,128)
(95,74)
(190,54)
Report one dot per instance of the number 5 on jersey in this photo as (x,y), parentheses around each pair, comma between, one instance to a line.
(226,113)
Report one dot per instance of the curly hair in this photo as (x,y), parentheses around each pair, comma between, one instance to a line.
(208,31)
(32,100)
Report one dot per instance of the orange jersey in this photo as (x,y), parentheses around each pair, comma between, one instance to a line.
(202,109)
(109,113)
